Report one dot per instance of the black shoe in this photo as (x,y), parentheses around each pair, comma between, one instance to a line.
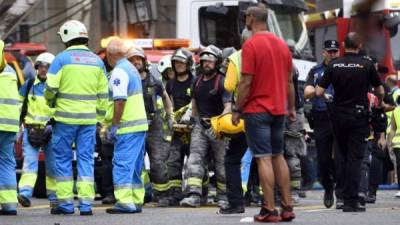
(163,202)
(231,210)
(86,213)
(120,211)
(370,199)
(328,198)
(8,213)
(339,203)
(108,200)
(353,208)
(24,201)
(57,211)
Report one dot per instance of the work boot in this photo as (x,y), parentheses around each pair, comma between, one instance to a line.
(53,204)
(370,199)
(24,201)
(328,198)
(339,203)
(229,209)
(362,199)
(108,200)
(353,208)
(8,213)
(192,201)
(163,202)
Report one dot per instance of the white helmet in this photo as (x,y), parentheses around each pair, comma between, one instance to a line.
(135,51)
(44,58)
(72,29)
(164,63)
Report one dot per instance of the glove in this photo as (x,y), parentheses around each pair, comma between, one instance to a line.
(113,133)
(48,129)
(170,121)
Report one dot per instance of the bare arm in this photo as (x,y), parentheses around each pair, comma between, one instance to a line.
(167,103)
(243,90)
(194,108)
(380,93)
(119,106)
(320,91)
(309,92)
(227,108)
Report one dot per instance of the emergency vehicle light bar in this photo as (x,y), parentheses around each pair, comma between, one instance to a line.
(151,43)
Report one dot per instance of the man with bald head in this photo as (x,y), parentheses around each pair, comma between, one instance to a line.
(351,77)
(127,117)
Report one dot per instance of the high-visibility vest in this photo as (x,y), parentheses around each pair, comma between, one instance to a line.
(396,139)
(395,95)
(10,104)
(134,117)
(77,84)
(38,111)
(236,59)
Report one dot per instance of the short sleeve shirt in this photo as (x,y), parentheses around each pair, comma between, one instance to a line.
(268,59)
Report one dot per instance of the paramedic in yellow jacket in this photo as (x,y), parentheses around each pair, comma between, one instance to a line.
(77,86)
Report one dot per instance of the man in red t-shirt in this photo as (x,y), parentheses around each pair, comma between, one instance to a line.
(265,95)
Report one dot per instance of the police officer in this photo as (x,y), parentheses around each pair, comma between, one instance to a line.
(77,85)
(351,77)
(322,125)
(127,115)
(179,90)
(155,144)
(36,115)
(9,126)
(209,100)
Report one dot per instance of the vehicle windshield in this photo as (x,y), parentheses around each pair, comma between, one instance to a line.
(219,28)
(293,31)
(395,40)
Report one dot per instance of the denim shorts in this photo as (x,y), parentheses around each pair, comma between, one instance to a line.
(264,133)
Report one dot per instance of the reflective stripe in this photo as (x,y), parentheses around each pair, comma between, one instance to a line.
(160,187)
(85,179)
(9,121)
(175,183)
(102,95)
(8,187)
(76,115)
(77,97)
(62,179)
(192,181)
(133,123)
(50,89)
(123,186)
(221,186)
(9,101)
(137,186)
(8,206)
(65,200)
(101,112)
(38,118)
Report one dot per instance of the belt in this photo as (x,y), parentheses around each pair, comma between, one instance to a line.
(35,126)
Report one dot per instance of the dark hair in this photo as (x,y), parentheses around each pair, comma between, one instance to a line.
(258,12)
(77,41)
(352,41)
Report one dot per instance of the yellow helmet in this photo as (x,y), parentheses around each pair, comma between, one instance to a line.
(222,126)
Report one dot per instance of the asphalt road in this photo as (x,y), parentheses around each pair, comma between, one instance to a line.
(310,211)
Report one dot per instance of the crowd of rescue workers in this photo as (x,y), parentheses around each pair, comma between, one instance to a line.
(221,131)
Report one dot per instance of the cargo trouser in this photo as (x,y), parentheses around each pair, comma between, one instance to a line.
(30,170)
(156,147)
(201,142)
(8,180)
(177,152)
(64,135)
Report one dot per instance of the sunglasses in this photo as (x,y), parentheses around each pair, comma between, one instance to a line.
(332,51)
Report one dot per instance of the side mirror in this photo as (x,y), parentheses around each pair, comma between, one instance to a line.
(218,8)
(391,22)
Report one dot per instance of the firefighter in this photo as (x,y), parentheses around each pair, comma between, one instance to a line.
(156,145)
(36,114)
(165,69)
(129,125)
(209,99)
(77,86)
(179,90)
(9,126)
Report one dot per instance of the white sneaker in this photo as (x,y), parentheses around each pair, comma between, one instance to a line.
(397,195)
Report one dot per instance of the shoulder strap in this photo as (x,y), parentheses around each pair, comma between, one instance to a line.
(24,109)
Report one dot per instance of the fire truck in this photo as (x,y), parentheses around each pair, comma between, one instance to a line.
(220,22)
(381,32)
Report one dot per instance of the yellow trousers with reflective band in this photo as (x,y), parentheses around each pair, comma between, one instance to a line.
(8,180)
